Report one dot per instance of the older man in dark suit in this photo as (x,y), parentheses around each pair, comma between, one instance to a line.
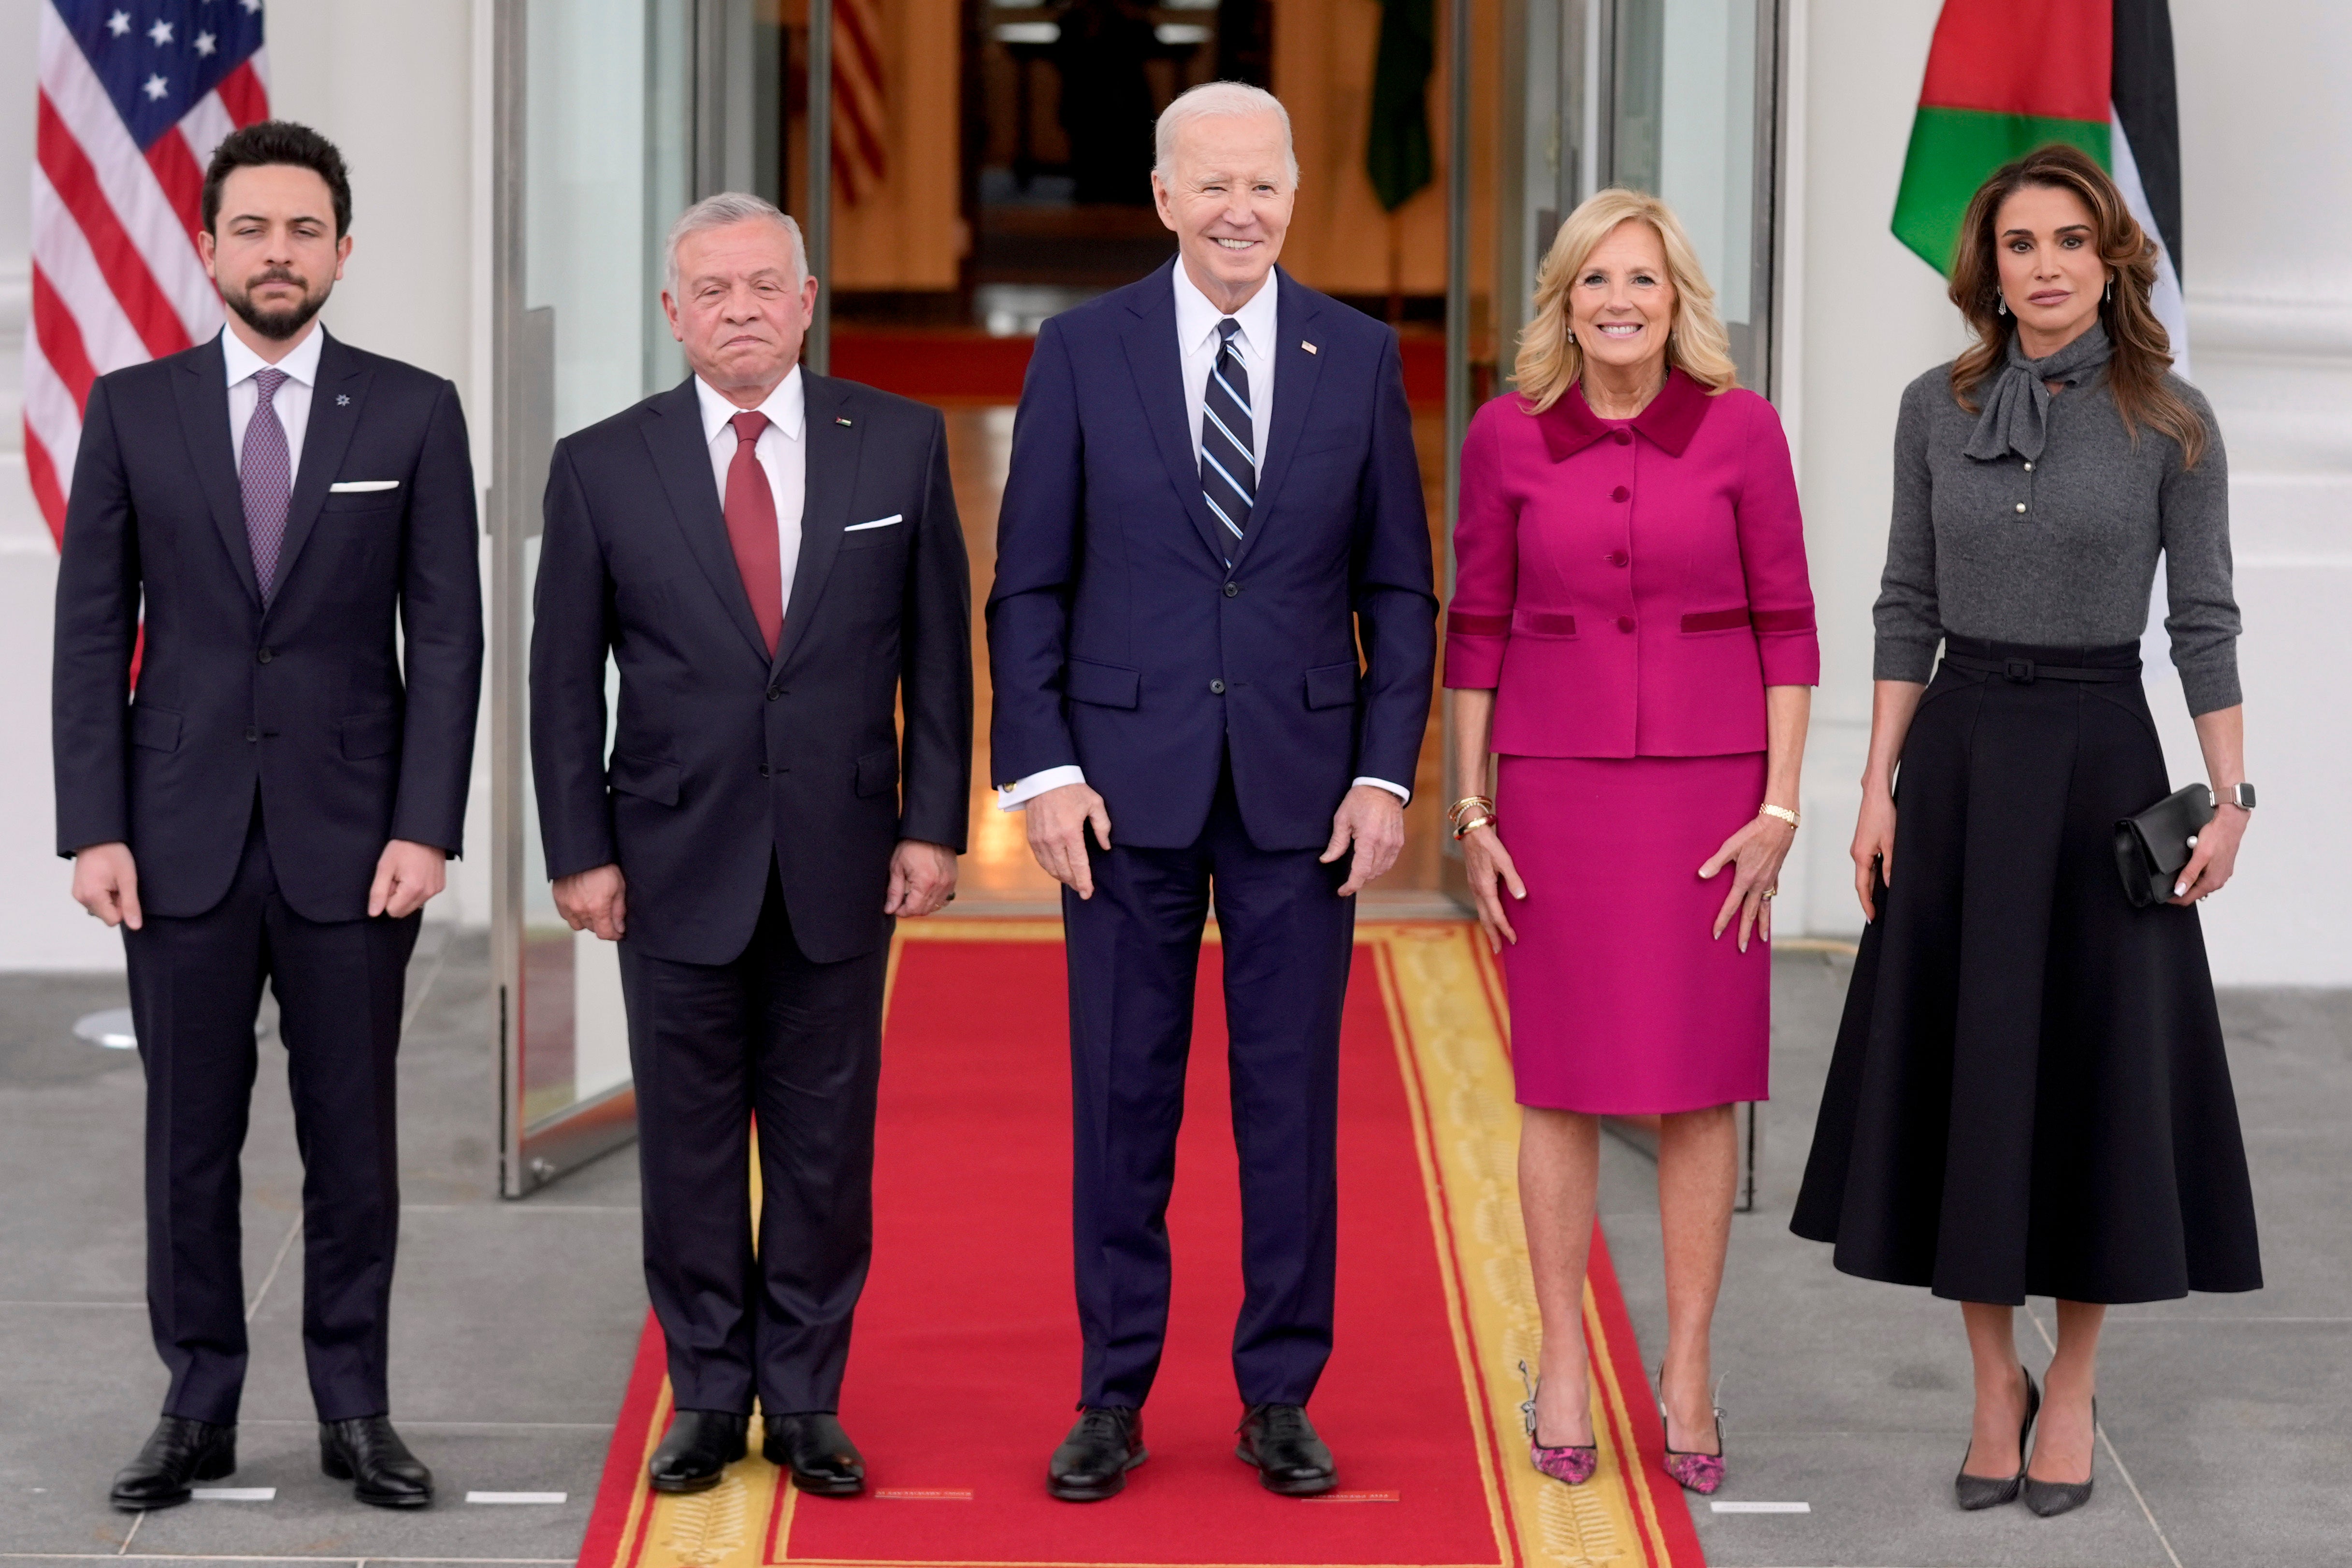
(773,559)
(1213,503)
(295,520)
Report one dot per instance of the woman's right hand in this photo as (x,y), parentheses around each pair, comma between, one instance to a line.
(1491,870)
(1874,848)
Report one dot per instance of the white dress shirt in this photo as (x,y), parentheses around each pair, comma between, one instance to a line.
(1197,340)
(782,455)
(292,402)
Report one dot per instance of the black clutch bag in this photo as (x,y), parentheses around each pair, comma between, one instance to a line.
(2151,848)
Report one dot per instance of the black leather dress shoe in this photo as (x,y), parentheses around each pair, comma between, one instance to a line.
(698,1444)
(1291,1460)
(366,1452)
(1093,1460)
(177,1452)
(811,1445)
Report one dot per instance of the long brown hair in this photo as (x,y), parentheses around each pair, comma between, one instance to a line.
(2142,350)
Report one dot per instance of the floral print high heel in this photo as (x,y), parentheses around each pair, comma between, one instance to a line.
(1701,1473)
(1571,1464)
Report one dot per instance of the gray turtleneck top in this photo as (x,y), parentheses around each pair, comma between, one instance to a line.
(2057,548)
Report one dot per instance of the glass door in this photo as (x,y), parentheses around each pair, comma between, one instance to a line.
(1691,94)
(595,157)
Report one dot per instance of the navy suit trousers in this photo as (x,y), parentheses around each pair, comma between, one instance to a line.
(195,987)
(798,1045)
(1134,958)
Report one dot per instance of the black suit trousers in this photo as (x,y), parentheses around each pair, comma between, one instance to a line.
(195,987)
(796,1044)
(1135,955)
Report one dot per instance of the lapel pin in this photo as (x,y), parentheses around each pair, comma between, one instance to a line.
(840,418)
(342,400)
(1307,346)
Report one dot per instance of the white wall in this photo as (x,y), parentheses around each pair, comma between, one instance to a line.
(393,86)
(2266,134)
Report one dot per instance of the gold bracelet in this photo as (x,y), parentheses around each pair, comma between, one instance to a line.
(1478,801)
(1472,826)
(1782,812)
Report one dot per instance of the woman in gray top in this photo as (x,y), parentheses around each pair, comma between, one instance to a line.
(2028,1095)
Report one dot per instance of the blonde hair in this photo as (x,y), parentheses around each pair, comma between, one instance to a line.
(1549,361)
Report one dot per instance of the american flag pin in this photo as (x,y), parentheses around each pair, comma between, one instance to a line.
(1307,346)
(342,400)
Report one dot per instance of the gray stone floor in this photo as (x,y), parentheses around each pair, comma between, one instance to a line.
(514,1325)
(2225,1441)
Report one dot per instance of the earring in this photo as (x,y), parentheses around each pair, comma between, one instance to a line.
(2111,288)
(1571,337)
(2000,305)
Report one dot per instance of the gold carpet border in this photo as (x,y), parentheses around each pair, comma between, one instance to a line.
(1441,996)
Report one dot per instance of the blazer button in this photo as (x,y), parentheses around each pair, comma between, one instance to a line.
(764,770)
(2020,507)
(774,692)
(1616,558)
(265,655)
(253,734)
(1625,623)
(1624,438)
(1218,687)
(1620,493)
(1233,590)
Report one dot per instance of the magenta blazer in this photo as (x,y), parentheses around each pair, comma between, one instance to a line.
(1629,589)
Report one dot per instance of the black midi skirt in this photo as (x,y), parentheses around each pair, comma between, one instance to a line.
(2029,1094)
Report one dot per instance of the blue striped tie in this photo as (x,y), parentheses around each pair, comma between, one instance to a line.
(1228,471)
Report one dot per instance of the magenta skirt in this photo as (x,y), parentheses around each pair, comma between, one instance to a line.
(1621,1003)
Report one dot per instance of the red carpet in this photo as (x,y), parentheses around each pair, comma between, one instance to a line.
(967,366)
(965,1367)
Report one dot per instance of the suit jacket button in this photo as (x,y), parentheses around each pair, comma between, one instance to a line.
(265,655)
(764,770)
(1616,558)
(1218,687)
(774,692)
(1625,623)
(1233,590)
(1620,493)
(253,734)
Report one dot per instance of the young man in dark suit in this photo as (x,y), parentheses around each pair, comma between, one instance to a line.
(773,559)
(291,521)
(1214,505)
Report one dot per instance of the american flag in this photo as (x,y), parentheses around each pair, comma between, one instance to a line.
(135,96)
(859,162)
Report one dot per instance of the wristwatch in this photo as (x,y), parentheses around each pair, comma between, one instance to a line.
(2240,795)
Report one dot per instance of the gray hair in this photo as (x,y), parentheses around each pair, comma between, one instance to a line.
(718,211)
(1213,100)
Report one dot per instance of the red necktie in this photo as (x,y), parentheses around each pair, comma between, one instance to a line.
(751,508)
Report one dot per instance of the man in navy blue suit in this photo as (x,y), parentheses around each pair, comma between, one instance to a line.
(290,521)
(1213,503)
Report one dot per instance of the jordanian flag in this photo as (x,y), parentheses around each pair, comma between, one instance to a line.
(2005,77)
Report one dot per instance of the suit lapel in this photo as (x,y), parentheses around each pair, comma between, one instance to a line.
(337,401)
(201,388)
(1153,356)
(1294,372)
(830,450)
(682,458)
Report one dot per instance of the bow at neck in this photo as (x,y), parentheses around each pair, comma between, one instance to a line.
(2016,416)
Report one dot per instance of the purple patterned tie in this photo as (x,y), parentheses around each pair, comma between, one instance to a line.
(266,474)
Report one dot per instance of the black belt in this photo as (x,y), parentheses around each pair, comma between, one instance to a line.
(2025,672)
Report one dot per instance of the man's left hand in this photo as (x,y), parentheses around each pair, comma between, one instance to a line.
(1373,820)
(923,878)
(406,875)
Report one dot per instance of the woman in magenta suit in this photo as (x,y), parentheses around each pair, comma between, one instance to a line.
(1632,635)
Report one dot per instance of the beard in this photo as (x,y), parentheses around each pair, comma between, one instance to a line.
(281,324)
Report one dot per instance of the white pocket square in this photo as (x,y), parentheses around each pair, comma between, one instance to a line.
(353,486)
(877,523)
